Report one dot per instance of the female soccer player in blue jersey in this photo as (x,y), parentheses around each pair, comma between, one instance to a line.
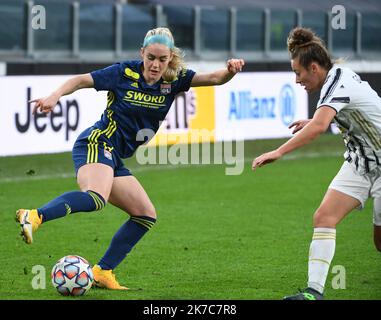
(140,94)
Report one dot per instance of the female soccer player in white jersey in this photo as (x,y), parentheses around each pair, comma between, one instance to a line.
(356,109)
(140,93)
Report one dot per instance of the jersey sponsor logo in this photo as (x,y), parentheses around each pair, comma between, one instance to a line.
(131,74)
(144,99)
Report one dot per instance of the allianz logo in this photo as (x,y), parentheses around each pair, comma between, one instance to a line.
(287,104)
(245,105)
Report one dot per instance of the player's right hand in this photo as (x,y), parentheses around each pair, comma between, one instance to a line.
(44,105)
(266,158)
(235,65)
(298,125)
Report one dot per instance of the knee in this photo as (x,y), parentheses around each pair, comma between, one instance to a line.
(323,219)
(144,210)
(151,212)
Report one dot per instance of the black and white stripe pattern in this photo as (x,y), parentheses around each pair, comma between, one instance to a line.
(356,150)
(332,86)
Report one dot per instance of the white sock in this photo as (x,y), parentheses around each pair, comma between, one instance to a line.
(322,250)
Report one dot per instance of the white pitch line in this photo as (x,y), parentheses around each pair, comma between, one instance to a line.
(145,168)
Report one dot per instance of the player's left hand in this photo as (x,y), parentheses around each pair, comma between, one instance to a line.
(235,65)
(266,158)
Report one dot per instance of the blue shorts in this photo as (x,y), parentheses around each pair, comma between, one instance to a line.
(93,147)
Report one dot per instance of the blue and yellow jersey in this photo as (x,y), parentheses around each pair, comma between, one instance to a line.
(133,106)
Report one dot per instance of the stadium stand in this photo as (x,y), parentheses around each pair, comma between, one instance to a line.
(102,31)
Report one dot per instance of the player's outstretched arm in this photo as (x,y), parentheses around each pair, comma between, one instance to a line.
(233,66)
(298,125)
(311,129)
(46,104)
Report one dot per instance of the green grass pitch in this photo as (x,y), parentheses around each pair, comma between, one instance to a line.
(217,236)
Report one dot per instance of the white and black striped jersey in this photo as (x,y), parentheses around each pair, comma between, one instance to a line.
(358,116)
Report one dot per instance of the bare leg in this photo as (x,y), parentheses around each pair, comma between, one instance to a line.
(333,208)
(128,194)
(96,177)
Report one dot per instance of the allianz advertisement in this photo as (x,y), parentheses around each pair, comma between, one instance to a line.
(251,106)
(259,105)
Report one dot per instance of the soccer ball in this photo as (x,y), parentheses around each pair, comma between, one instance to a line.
(72,276)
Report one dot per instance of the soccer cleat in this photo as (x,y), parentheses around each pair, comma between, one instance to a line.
(29,221)
(306,294)
(106,279)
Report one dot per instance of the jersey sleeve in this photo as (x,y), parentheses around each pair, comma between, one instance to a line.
(335,93)
(184,80)
(106,79)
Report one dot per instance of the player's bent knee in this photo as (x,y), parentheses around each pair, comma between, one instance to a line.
(144,210)
(323,219)
(318,218)
(151,212)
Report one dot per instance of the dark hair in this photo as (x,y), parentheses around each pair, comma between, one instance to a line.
(304,45)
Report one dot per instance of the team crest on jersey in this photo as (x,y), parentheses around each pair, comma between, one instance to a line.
(108,154)
(165,88)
